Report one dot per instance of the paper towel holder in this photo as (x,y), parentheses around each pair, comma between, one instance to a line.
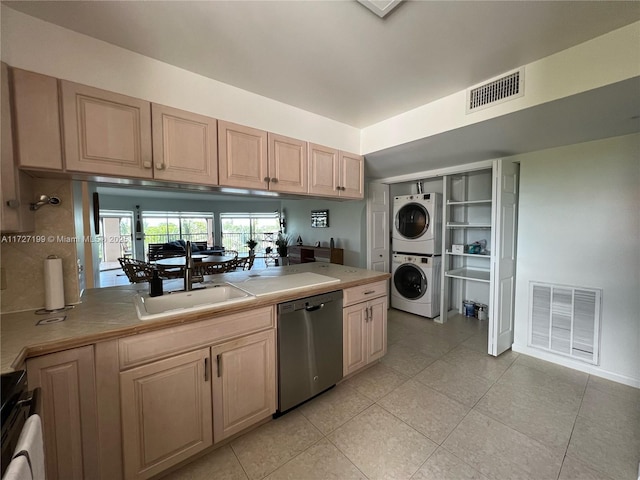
(44,200)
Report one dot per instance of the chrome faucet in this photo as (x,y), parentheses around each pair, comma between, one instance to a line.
(188,269)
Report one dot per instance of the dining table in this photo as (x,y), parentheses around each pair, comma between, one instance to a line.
(202,264)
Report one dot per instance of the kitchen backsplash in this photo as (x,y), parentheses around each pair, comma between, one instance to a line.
(22,256)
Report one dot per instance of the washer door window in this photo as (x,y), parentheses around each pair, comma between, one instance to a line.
(412,221)
(410,281)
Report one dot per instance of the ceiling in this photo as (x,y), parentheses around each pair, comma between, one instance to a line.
(336,58)
(339,60)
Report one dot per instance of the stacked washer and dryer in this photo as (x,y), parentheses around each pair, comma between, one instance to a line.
(417,250)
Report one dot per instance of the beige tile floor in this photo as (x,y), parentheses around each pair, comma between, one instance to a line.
(438,407)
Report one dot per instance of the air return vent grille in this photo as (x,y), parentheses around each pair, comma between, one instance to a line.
(496,91)
(565,320)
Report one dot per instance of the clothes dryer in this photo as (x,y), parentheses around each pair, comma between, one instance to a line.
(415,284)
(417,224)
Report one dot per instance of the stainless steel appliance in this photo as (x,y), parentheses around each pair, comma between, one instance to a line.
(309,348)
(17,405)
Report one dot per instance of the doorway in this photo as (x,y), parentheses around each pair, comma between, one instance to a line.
(116,241)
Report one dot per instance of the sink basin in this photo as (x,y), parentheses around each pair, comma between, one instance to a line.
(151,308)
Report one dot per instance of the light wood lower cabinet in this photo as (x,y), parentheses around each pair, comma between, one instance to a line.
(69,417)
(166,413)
(244,383)
(364,334)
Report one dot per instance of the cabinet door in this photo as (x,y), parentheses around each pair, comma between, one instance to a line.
(354,338)
(69,417)
(166,413)
(242,156)
(15,215)
(351,183)
(323,170)
(106,133)
(185,146)
(244,383)
(288,164)
(377,329)
(37,120)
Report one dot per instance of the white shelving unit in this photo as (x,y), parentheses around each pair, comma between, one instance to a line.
(481,205)
(467,218)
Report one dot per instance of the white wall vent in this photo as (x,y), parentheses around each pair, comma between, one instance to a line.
(506,87)
(565,320)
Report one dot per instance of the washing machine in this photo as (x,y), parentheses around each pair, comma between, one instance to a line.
(417,224)
(415,284)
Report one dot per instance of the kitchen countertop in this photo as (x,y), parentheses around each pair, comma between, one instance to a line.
(108,313)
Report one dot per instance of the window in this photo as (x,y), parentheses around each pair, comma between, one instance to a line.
(237,228)
(164,227)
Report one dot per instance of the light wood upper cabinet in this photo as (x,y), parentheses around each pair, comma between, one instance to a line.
(105,132)
(166,413)
(351,175)
(242,156)
(288,164)
(244,383)
(69,415)
(335,173)
(36,120)
(185,146)
(16,193)
(323,170)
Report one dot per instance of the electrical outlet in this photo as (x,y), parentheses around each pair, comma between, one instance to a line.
(3,279)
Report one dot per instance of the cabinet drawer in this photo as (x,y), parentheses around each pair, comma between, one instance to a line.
(364,292)
(140,349)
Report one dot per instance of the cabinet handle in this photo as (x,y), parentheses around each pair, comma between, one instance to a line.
(13,203)
(159,166)
(274,180)
(366,314)
(206,369)
(343,188)
(146,164)
(371,314)
(369,292)
(219,361)
(267,179)
(338,187)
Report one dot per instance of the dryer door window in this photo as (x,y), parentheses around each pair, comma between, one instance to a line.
(410,281)
(412,221)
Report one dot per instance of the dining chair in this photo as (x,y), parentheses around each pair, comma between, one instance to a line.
(136,271)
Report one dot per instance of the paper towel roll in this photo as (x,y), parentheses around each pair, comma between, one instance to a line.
(53,283)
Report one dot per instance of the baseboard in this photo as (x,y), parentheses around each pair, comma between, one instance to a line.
(566,362)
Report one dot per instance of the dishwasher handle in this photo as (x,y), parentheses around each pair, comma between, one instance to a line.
(314,308)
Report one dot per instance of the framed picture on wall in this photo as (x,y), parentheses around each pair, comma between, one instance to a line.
(319,218)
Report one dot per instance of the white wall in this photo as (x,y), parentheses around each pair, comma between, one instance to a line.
(601,61)
(39,46)
(579,224)
(347,226)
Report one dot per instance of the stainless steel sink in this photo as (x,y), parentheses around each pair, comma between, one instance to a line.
(153,308)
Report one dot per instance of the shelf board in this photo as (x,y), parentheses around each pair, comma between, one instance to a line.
(467,225)
(469,202)
(469,274)
(476,255)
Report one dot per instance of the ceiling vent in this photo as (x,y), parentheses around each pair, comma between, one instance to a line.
(506,87)
(382,8)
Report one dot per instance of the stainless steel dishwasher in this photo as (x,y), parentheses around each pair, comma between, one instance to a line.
(309,348)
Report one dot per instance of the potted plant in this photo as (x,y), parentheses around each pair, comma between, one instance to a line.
(251,243)
(281,243)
